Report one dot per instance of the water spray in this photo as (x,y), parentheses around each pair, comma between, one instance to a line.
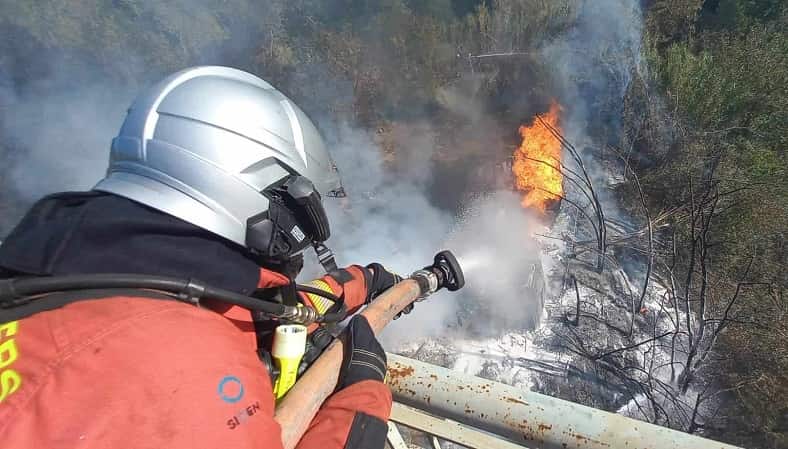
(475,259)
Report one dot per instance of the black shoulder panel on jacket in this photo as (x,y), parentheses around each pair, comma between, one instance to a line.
(366,432)
(94,232)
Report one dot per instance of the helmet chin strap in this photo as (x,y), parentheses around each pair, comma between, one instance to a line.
(325,256)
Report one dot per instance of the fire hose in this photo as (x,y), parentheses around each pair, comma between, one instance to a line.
(297,409)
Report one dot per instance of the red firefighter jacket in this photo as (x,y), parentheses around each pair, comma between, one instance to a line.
(144,373)
(126,371)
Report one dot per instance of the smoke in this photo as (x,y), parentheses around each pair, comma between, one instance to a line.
(594,61)
(593,64)
(493,240)
(69,71)
(55,142)
(57,124)
(387,217)
(62,139)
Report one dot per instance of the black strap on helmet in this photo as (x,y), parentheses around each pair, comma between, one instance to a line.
(295,219)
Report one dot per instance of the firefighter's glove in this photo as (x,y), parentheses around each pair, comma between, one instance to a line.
(364,357)
(379,279)
(316,343)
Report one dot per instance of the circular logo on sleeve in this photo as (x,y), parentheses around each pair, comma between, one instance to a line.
(231,390)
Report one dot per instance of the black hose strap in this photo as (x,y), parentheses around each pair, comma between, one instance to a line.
(20,291)
(60,299)
(22,297)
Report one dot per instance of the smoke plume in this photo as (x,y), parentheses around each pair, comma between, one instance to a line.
(592,65)
(388,217)
(69,70)
(57,124)
(62,139)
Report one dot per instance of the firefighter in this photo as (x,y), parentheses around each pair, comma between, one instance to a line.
(215,176)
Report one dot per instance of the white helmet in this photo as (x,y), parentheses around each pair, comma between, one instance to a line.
(222,149)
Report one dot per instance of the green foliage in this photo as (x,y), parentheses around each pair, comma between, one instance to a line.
(396,54)
(400,54)
(670,21)
(129,38)
(734,94)
(725,80)
(741,14)
(734,81)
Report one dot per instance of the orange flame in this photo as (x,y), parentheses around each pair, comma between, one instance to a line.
(535,162)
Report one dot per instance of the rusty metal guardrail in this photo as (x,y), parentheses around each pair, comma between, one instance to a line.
(528,419)
(442,428)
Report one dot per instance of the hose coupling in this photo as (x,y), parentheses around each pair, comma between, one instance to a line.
(300,315)
(428,282)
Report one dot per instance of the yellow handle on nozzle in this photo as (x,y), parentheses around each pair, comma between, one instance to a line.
(289,347)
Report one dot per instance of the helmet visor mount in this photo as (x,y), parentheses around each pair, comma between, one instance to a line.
(294,220)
